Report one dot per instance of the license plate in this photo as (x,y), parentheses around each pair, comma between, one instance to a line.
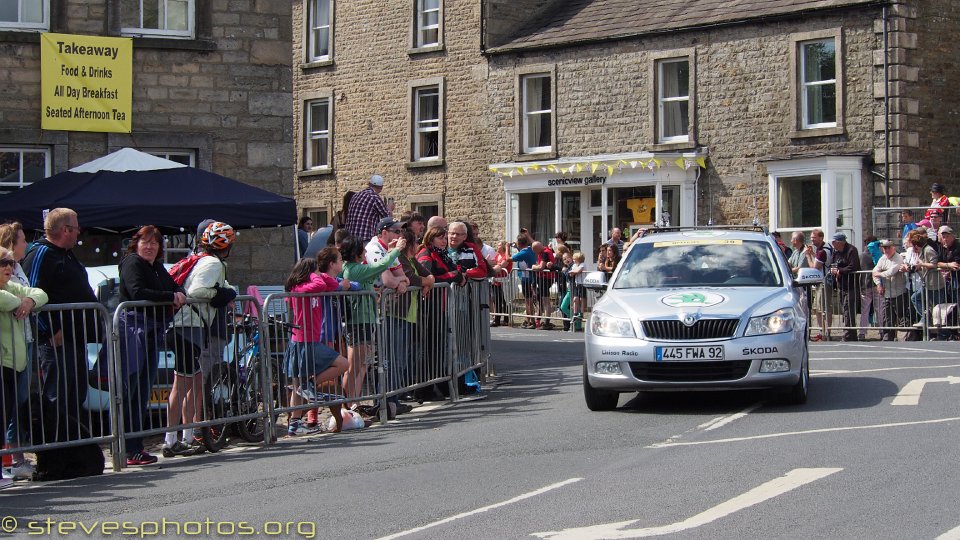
(689,353)
(159,395)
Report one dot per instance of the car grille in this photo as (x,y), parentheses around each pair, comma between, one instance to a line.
(702,329)
(690,371)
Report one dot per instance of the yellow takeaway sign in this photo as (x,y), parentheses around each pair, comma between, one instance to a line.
(86,83)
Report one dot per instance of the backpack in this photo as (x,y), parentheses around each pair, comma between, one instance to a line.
(184,266)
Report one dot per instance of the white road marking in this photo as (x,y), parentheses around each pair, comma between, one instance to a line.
(952,534)
(757,495)
(910,393)
(815,372)
(484,509)
(721,421)
(807,432)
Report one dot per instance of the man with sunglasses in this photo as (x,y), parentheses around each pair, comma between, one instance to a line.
(51,265)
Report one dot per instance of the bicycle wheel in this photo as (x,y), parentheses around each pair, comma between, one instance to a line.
(219,389)
(250,400)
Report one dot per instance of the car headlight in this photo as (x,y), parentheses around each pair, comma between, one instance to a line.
(602,324)
(778,322)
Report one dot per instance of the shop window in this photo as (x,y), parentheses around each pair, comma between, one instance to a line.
(25,14)
(537,113)
(426,209)
(185,157)
(320,217)
(158,18)
(317,134)
(429,23)
(673,100)
(537,213)
(20,167)
(319,30)
(426,125)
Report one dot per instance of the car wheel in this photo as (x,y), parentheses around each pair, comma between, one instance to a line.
(797,395)
(598,400)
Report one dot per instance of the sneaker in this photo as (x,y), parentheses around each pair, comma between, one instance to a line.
(547,325)
(141,458)
(918,324)
(6,482)
(311,425)
(178,448)
(195,447)
(19,471)
(307,392)
(527,324)
(297,428)
(818,337)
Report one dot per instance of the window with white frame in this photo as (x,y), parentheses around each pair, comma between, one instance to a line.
(20,167)
(821,192)
(317,134)
(185,157)
(25,14)
(319,36)
(428,23)
(818,83)
(426,114)
(536,98)
(157,18)
(673,100)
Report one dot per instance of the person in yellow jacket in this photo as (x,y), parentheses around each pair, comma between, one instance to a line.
(16,303)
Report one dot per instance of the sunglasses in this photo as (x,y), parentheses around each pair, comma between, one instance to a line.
(7,262)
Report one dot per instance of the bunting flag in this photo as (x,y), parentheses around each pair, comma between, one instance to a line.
(611,167)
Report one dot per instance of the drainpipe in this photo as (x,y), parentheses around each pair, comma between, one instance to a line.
(886,110)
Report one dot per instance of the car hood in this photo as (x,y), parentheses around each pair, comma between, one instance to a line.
(713,303)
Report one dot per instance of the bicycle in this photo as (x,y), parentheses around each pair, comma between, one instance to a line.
(235,387)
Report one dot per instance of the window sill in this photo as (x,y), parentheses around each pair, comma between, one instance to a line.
(425,164)
(316,64)
(174,43)
(818,132)
(424,50)
(20,35)
(667,147)
(323,171)
(536,157)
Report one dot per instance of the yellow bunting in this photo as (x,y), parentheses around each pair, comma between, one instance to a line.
(520,171)
(552,168)
(579,167)
(593,167)
(609,170)
(702,162)
(681,163)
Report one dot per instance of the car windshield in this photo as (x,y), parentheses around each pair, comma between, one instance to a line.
(699,263)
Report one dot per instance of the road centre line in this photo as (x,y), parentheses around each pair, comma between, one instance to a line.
(778,486)
(518,498)
(806,432)
(721,421)
(816,372)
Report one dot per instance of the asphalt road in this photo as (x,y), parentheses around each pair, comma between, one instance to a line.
(872,455)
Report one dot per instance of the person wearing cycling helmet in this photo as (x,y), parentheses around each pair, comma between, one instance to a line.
(207,281)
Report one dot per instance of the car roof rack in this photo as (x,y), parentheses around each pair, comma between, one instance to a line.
(753,228)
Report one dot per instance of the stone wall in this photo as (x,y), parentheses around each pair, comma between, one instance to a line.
(370,77)
(743,111)
(226,95)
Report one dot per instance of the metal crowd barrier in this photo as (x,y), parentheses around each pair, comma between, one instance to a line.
(924,310)
(115,381)
(537,295)
(56,374)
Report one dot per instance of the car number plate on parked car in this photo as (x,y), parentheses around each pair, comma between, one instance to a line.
(689,353)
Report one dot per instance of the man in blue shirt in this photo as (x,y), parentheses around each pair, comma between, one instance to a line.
(526,259)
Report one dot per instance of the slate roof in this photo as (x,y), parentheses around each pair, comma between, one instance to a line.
(577,21)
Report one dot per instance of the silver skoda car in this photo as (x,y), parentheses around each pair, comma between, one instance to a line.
(702,309)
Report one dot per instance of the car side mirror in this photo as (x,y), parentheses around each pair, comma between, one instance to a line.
(808,276)
(596,281)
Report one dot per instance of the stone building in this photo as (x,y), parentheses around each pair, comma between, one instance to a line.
(211,88)
(584,115)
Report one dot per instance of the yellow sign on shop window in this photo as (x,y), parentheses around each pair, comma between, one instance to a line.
(86,83)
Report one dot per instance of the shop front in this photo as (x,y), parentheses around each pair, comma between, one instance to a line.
(588,197)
